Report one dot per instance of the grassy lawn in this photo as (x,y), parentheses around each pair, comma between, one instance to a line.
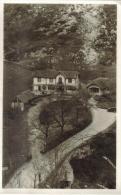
(94,171)
(15,145)
(15,132)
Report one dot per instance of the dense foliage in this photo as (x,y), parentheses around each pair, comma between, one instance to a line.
(106,42)
(57,124)
(97,171)
(52,36)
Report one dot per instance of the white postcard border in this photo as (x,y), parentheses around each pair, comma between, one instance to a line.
(69,191)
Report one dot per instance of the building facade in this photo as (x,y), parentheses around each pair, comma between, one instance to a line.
(99,86)
(55,81)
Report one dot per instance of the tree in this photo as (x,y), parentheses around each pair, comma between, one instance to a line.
(45,121)
(59,112)
(63,114)
(105,44)
(17,33)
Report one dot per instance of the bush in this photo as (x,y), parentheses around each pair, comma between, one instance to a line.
(66,118)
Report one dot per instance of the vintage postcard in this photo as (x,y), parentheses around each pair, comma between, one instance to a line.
(60,126)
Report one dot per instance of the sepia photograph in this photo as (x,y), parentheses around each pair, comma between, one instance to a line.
(59,96)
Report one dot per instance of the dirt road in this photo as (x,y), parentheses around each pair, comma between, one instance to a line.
(39,168)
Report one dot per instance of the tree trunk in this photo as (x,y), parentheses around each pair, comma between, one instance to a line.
(46,138)
(62,120)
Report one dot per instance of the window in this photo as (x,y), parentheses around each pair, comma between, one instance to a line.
(51,87)
(94,90)
(39,88)
(39,79)
(51,80)
(69,80)
(44,87)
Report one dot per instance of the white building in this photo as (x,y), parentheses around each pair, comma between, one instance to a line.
(55,81)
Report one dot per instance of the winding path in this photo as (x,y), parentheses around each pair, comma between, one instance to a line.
(41,166)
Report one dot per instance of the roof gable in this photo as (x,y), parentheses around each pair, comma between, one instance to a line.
(101,82)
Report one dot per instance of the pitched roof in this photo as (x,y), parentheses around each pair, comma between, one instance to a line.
(70,74)
(54,73)
(101,82)
(26,96)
